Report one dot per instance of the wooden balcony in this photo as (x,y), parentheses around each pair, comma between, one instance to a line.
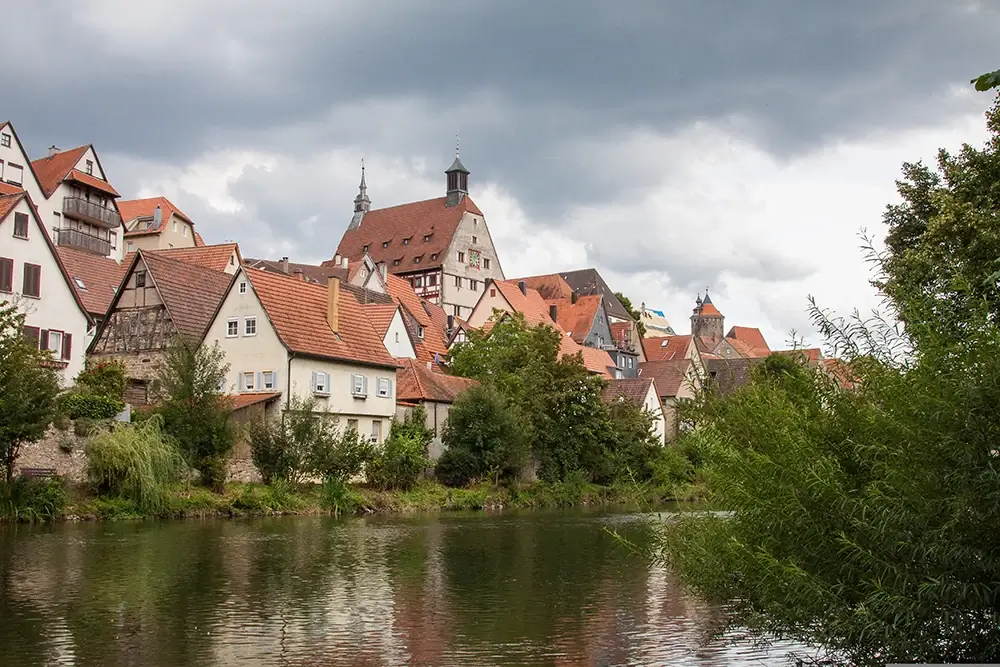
(89,212)
(74,238)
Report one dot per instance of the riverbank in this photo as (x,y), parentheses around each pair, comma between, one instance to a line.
(247,500)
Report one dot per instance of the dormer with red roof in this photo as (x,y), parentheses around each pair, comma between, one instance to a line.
(155,223)
(441,246)
(80,204)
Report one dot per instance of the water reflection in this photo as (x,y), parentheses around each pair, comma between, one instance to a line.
(542,588)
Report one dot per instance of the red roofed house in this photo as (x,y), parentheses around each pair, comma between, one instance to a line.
(676,380)
(284,334)
(419,385)
(158,299)
(707,325)
(441,246)
(641,392)
(155,223)
(33,277)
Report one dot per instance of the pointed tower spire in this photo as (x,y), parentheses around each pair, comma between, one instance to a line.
(458,179)
(362,204)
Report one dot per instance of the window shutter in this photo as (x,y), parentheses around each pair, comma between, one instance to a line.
(32,334)
(6,274)
(43,339)
(364,385)
(314,380)
(67,351)
(390,388)
(260,383)
(275,376)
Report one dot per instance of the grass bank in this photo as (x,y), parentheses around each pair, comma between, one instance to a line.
(43,501)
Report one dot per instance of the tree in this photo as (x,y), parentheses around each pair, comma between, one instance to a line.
(195,414)
(28,389)
(943,240)
(403,457)
(625,301)
(987,81)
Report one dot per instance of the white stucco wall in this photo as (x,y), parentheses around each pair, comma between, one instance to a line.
(652,403)
(489,299)
(14,154)
(55,308)
(471,225)
(397,341)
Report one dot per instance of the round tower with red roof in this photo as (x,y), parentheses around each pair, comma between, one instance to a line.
(706,320)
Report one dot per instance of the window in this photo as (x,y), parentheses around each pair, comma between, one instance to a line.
(14,173)
(359,385)
(90,167)
(55,343)
(474,285)
(416,260)
(432,280)
(367,245)
(185,233)
(474,240)
(243,287)
(461,256)
(129,247)
(493,292)
(458,281)
(250,326)
(406,241)
(140,278)
(113,237)
(434,255)
(395,262)
(5,140)
(420,332)
(376,430)
(486,263)
(6,274)
(418,281)
(268,380)
(21,225)
(397,336)
(175,225)
(384,388)
(32,285)
(232,327)
(248,381)
(79,283)
(232,260)
(385,244)
(321,383)
(352,424)
(457,310)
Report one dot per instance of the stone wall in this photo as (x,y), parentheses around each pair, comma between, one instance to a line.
(60,450)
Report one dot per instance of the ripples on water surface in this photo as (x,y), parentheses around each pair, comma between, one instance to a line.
(543,588)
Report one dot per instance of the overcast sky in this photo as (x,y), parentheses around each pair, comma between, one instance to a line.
(671,145)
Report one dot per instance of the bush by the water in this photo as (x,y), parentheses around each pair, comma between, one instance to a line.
(133,461)
(400,461)
(483,439)
(32,499)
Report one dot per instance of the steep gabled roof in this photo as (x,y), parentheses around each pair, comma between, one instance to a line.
(382,232)
(668,375)
(577,319)
(54,169)
(100,276)
(380,315)
(589,281)
(191,293)
(215,257)
(131,209)
(632,390)
(297,310)
(420,314)
(753,340)
(666,348)
(549,285)
(7,205)
(416,382)
(727,375)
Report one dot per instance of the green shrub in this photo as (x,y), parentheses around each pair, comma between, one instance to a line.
(61,421)
(32,499)
(403,457)
(672,468)
(339,498)
(106,378)
(265,499)
(632,446)
(84,405)
(134,462)
(342,456)
(456,467)
(83,427)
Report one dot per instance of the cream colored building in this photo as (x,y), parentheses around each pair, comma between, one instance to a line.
(156,223)
(284,335)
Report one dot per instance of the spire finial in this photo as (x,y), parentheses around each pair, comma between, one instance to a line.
(362,172)
(458,143)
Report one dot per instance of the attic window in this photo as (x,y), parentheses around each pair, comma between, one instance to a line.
(385,244)
(427,237)
(434,255)
(420,332)
(406,241)
(474,240)
(79,283)
(395,262)
(365,248)
(90,167)
(416,260)
(140,278)
(5,140)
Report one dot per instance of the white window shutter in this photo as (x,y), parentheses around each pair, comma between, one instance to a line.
(275,376)
(314,380)
(364,384)
(260,381)
(390,388)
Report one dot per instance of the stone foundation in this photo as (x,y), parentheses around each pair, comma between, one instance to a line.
(60,450)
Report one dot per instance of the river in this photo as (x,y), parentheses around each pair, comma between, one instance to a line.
(531,588)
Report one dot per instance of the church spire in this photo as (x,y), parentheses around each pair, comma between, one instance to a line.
(362,204)
(458,179)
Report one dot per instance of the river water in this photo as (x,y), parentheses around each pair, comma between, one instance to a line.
(538,588)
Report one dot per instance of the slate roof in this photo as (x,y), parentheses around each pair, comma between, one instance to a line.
(633,390)
(191,293)
(297,311)
(54,169)
(101,277)
(666,348)
(589,281)
(383,231)
(416,382)
(668,375)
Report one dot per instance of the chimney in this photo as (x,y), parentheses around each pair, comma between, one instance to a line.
(157,217)
(284,265)
(552,312)
(343,262)
(53,150)
(300,274)
(523,286)
(333,303)
(573,297)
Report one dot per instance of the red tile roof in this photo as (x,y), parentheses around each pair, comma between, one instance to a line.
(240,401)
(92,181)
(101,277)
(750,335)
(297,310)
(666,348)
(811,355)
(191,293)
(840,371)
(198,241)
(418,313)
(577,318)
(550,286)
(668,375)
(633,390)
(8,201)
(8,189)
(214,257)
(709,310)
(621,331)
(53,170)
(144,208)
(413,222)
(380,315)
(416,382)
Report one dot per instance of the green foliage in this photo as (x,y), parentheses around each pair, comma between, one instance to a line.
(106,378)
(627,303)
(278,497)
(32,499)
(194,413)
(403,457)
(86,405)
(987,81)
(339,498)
(632,444)
(28,390)
(483,439)
(134,462)
(342,456)
(672,469)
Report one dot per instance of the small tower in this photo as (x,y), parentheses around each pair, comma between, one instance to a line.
(458,180)
(362,204)
(706,320)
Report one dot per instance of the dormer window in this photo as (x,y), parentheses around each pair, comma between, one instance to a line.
(395,262)
(366,247)
(416,260)
(427,237)
(385,244)
(420,332)
(406,241)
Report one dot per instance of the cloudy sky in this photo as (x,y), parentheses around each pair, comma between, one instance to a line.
(672,145)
